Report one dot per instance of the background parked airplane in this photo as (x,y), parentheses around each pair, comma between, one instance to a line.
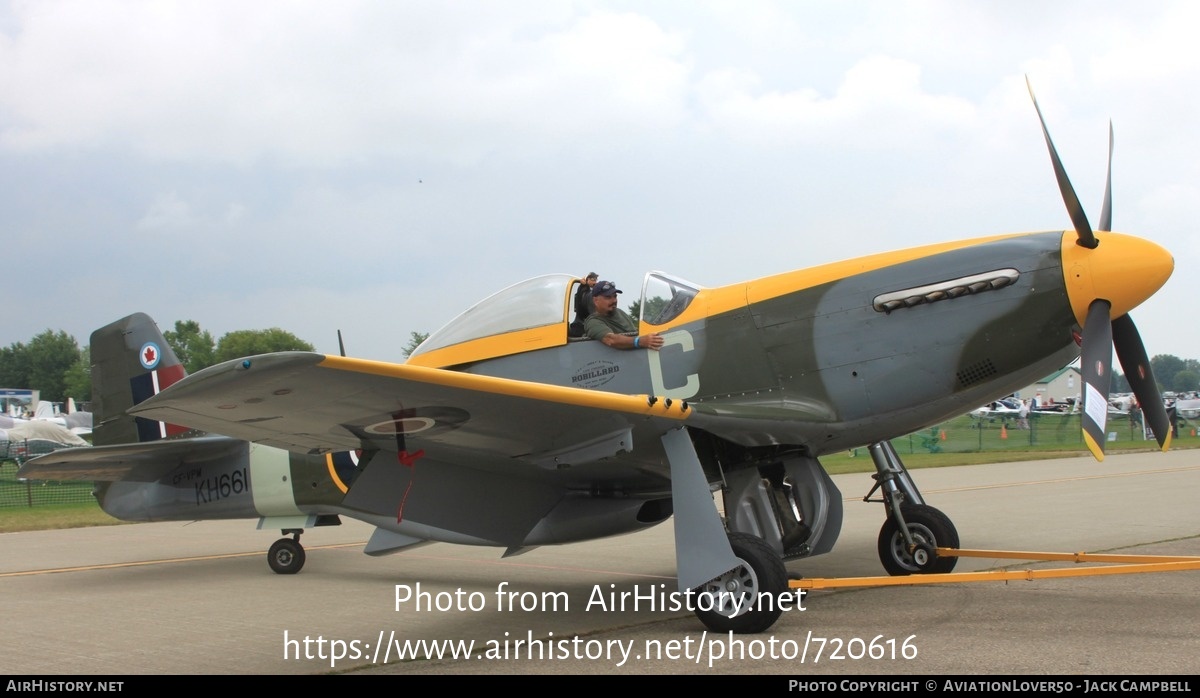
(79,422)
(997,409)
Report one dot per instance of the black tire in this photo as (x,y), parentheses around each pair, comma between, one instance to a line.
(286,556)
(928,526)
(761,572)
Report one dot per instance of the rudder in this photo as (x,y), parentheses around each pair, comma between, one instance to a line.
(131,361)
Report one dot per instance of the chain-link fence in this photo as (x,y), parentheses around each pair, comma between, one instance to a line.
(31,493)
(1045,431)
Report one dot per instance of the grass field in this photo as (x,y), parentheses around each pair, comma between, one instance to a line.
(54,516)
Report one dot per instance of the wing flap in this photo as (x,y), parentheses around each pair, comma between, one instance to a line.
(316,403)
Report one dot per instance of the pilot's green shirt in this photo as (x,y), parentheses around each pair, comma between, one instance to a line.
(597,325)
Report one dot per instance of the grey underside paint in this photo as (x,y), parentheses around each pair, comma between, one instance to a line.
(518,505)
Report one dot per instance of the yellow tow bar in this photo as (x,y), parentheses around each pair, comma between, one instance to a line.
(1123,564)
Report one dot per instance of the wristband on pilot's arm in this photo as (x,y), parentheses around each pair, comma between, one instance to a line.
(636,341)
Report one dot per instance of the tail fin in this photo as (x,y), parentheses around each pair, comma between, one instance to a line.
(131,361)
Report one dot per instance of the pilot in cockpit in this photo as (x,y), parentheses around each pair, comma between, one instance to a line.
(614,326)
(583,304)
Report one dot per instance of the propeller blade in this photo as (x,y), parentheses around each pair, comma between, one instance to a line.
(1096,362)
(1106,209)
(1132,354)
(341,347)
(1083,229)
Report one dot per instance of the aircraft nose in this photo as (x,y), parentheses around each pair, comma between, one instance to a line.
(1122,269)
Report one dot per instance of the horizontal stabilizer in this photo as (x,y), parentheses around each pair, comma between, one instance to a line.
(136,462)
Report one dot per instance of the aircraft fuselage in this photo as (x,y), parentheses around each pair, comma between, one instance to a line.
(838,361)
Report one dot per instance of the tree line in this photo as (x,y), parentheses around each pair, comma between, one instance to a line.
(1171,372)
(54,364)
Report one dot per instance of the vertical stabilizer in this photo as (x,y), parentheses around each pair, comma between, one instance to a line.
(130,362)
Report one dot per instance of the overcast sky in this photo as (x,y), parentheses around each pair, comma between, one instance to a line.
(378,167)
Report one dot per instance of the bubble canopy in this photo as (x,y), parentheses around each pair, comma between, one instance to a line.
(546,300)
(536,302)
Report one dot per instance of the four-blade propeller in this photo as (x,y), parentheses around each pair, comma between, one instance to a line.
(1101,332)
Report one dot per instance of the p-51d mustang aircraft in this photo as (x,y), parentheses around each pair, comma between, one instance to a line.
(501,430)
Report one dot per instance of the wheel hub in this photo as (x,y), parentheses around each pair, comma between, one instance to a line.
(732,594)
(921,554)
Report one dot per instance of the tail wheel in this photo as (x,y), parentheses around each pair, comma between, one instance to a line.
(286,556)
(734,602)
(930,529)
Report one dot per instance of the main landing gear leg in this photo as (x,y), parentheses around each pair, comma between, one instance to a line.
(741,578)
(913,530)
(286,555)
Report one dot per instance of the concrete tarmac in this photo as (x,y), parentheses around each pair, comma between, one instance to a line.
(198,598)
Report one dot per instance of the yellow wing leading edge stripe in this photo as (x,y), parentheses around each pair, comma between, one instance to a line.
(628,404)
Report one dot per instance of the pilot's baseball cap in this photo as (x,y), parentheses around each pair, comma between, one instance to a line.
(605,288)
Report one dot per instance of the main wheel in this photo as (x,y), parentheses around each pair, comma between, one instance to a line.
(731,602)
(930,529)
(286,556)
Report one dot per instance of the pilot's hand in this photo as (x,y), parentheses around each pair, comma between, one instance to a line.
(650,341)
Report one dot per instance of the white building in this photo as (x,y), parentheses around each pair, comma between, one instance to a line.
(1064,385)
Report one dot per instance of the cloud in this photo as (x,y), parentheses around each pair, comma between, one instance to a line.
(315,84)
(167,213)
(876,105)
(400,161)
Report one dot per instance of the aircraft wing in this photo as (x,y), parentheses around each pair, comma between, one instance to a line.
(137,462)
(315,403)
